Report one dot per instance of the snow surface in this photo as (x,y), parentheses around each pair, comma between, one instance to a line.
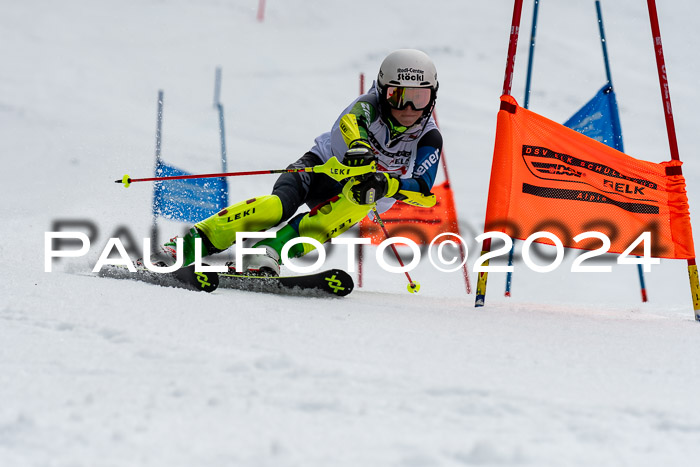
(573,370)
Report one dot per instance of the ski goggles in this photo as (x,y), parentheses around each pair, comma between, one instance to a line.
(399,97)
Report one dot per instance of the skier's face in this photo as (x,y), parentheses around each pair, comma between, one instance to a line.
(407,116)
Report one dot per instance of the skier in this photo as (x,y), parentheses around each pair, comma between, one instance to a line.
(396,130)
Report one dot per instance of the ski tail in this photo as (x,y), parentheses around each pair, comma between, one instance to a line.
(183,278)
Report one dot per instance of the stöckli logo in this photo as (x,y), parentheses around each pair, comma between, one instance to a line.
(410,74)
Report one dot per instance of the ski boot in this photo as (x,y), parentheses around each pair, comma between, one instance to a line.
(265,264)
(165,256)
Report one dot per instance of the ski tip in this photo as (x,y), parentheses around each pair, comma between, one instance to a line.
(329,283)
(338,282)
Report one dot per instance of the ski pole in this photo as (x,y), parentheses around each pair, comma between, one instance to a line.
(333,168)
(413,286)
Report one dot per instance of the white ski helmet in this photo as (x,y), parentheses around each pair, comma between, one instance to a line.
(407,68)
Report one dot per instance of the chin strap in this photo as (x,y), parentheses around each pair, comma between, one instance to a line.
(395,129)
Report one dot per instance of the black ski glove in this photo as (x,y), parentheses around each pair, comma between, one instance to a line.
(359,153)
(372,187)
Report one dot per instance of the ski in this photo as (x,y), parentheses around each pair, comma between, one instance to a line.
(333,282)
(183,278)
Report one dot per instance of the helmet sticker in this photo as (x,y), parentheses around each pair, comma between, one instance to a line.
(410,74)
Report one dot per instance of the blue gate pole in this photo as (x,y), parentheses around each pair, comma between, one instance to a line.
(509,274)
(532,55)
(617,129)
(159,131)
(222,135)
(603,43)
(217,86)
